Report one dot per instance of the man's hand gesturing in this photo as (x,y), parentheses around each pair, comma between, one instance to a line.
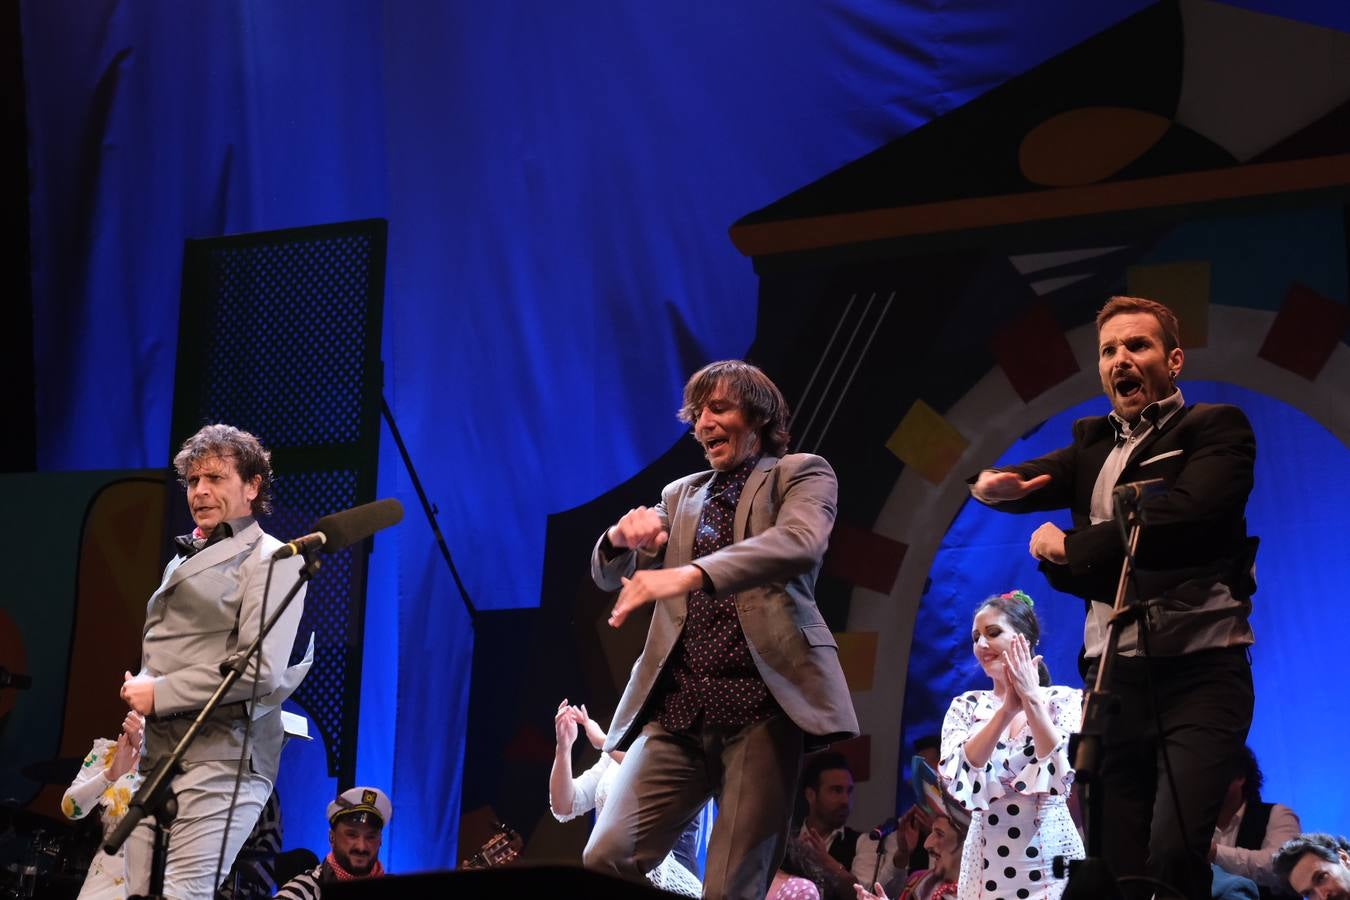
(639,529)
(995,487)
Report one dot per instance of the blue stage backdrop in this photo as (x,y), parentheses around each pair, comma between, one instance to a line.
(558,181)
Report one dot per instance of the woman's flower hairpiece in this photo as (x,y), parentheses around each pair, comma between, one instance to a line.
(1019,595)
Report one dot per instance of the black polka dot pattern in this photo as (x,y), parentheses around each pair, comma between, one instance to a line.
(712,677)
(1020,819)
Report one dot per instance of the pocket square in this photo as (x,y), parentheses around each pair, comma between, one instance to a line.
(1153,459)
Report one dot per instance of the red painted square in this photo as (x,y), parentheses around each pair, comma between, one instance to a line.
(863,558)
(858,752)
(1305,331)
(1034,353)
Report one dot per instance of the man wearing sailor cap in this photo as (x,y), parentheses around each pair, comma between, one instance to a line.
(356,821)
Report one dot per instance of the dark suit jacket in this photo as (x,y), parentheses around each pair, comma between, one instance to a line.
(1195,531)
(782,526)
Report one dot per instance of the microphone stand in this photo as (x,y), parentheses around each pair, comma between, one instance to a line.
(155,796)
(1091,878)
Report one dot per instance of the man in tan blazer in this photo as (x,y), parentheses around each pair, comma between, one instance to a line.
(740,673)
(208,606)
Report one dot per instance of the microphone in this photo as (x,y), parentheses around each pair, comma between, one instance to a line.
(340,530)
(1130,494)
(884,829)
(307,544)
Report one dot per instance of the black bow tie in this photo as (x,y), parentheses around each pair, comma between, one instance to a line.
(188,546)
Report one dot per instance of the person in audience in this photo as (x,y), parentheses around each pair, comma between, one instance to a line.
(1249,832)
(945,845)
(356,821)
(929,749)
(107,780)
(847,857)
(1316,865)
(1005,759)
(570,797)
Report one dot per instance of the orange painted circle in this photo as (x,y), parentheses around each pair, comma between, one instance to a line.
(1084,146)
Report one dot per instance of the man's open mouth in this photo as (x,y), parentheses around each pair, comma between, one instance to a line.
(1128,387)
(714,443)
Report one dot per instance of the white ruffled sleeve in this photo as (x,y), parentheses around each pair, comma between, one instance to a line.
(1053,773)
(90,782)
(584,789)
(972,787)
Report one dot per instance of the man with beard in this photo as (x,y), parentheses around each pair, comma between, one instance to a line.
(740,672)
(846,856)
(356,821)
(1192,577)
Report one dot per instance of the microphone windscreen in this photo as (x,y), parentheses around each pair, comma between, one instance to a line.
(342,529)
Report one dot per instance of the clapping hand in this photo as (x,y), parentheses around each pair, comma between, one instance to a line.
(565,724)
(594,733)
(1021,669)
(863,893)
(128,750)
(907,831)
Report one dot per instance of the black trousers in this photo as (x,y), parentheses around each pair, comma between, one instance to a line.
(1204,708)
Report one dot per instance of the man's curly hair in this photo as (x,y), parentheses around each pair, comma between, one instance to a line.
(248,454)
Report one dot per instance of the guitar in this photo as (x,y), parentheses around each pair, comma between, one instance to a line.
(501,848)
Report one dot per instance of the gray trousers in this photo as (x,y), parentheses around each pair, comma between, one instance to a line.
(666,778)
(203,791)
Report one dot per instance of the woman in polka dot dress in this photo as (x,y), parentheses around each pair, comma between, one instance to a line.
(1005,759)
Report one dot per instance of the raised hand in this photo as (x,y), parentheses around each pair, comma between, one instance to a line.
(565,725)
(594,733)
(1022,669)
(863,893)
(994,487)
(639,528)
(1003,687)
(125,756)
(907,832)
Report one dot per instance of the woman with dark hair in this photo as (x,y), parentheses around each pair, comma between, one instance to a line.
(1005,759)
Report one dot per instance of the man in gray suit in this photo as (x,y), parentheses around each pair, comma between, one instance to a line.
(740,673)
(209,605)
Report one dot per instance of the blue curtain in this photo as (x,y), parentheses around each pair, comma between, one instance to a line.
(558,181)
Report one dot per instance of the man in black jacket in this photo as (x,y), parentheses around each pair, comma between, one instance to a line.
(1193,577)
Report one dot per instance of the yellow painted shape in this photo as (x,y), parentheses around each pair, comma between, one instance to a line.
(928,442)
(858,657)
(1184,288)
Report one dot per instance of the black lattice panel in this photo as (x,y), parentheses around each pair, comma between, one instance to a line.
(300,499)
(292,315)
(279,334)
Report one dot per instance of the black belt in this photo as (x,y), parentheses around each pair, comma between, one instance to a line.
(227,711)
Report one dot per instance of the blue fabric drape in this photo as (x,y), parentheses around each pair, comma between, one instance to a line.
(558,180)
